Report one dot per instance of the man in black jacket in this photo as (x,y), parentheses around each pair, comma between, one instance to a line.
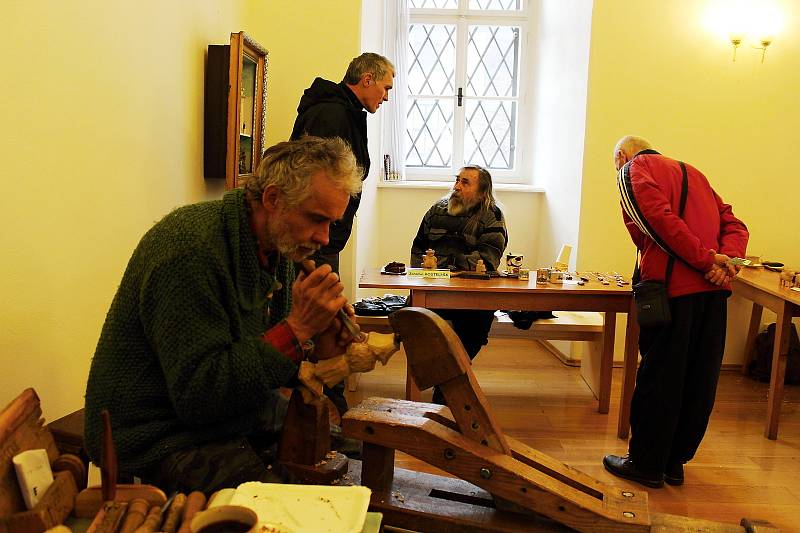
(329,109)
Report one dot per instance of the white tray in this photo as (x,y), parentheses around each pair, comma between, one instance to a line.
(301,508)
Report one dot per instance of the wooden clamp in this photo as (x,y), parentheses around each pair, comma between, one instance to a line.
(305,445)
(503,485)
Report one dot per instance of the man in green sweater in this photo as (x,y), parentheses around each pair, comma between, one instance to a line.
(210,319)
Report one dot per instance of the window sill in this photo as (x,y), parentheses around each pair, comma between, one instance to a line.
(420,184)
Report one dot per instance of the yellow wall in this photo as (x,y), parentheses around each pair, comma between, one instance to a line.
(101,107)
(305,40)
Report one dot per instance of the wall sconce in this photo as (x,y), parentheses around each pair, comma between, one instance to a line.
(737,39)
(765,42)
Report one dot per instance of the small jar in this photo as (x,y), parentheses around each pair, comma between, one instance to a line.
(542,275)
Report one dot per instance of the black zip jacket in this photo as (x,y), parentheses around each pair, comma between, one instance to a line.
(330,109)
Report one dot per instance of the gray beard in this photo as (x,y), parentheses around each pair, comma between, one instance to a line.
(457,206)
(278,237)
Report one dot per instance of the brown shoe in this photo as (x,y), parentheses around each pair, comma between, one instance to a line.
(623,467)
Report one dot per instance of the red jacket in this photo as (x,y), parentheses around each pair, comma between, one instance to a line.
(650,188)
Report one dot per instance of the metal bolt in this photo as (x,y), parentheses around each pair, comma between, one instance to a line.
(486,473)
(628,514)
(627,494)
(449,454)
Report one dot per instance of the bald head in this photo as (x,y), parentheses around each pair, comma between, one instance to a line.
(627,147)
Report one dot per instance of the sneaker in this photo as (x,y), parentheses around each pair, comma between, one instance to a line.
(623,467)
(673,475)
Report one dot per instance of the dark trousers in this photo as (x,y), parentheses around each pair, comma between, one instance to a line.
(472,327)
(229,462)
(677,381)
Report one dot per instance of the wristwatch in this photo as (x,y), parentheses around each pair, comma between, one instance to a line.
(308,348)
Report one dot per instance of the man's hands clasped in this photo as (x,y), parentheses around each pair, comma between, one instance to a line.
(316,299)
(722,271)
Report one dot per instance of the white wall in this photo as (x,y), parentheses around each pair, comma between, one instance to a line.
(562,32)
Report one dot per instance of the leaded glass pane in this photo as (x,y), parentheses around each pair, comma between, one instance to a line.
(495,5)
(490,137)
(431,59)
(433,4)
(493,61)
(429,126)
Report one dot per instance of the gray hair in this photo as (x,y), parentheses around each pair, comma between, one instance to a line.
(368,62)
(484,186)
(630,145)
(487,203)
(290,165)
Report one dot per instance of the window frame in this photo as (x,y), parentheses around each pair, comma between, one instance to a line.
(463,18)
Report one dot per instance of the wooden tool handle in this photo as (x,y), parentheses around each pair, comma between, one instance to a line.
(152,521)
(174,514)
(308,267)
(137,512)
(108,466)
(194,504)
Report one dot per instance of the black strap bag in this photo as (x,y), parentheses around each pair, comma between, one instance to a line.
(650,296)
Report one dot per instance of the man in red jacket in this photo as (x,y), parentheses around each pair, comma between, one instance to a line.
(677,378)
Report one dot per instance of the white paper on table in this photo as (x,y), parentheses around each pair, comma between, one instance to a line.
(300,508)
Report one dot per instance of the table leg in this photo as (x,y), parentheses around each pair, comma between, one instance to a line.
(783,325)
(412,392)
(606,361)
(628,373)
(755,324)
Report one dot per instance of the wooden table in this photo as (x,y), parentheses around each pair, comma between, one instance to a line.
(762,287)
(511,293)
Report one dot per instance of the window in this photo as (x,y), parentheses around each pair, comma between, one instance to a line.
(465,91)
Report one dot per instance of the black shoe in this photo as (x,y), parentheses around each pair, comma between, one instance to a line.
(673,475)
(623,467)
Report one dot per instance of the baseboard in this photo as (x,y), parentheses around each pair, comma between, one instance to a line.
(561,356)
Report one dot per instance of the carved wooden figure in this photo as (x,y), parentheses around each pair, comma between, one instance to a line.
(429,259)
(359,357)
(480,268)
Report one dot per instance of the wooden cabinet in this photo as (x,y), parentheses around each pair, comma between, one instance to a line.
(235,109)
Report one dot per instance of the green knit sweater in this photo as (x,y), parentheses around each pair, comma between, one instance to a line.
(179,361)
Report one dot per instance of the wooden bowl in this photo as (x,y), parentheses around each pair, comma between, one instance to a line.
(225,519)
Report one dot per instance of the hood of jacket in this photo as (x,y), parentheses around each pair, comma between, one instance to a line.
(324,91)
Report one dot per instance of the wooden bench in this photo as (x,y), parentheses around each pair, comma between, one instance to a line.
(567,326)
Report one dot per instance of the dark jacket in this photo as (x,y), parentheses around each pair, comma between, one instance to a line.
(650,187)
(180,360)
(330,109)
(447,235)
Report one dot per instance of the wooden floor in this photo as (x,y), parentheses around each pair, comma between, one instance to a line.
(736,473)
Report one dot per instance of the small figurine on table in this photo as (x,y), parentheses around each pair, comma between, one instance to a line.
(480,268)
(787,279)
(429,261)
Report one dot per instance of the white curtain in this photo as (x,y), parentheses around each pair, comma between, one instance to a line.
(394,132)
